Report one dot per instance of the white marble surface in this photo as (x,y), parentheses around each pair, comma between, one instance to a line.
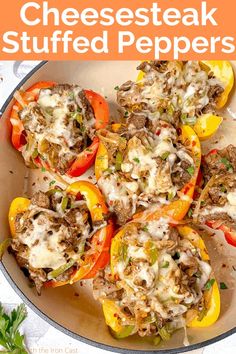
(41,337)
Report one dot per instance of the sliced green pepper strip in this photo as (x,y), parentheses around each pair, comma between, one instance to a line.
(53,191)
(125,332)
(113,317)
(64,203)
(152,253)
(119,160)
(123,252)
(164,334)
(56,272)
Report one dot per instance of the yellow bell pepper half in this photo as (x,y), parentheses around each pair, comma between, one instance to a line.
(207,125)
(223,71)
(211,296)
(100,241)
(112,313)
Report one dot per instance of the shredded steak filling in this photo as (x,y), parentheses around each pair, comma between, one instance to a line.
(52,236)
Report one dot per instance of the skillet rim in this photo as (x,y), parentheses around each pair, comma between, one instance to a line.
(61,328)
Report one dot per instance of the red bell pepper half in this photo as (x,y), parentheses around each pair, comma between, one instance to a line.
(229,233)
(86,158)
(25,97)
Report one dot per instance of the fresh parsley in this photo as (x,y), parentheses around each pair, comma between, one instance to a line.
(190,213)
(223,286)
(116,88)
(10,337)
(227,164)
(136,159)
(209,284)
(170,195)
(51,183)
(71,95)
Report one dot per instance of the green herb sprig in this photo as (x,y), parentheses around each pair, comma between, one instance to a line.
(10,337)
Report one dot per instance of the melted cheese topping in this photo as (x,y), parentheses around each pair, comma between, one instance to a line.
(231,196)
(47,240)
(45,251)
(50,120)
(229,208)
(150,169)
(179,87)
(158,278)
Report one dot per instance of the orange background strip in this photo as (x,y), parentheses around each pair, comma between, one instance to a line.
(10,21)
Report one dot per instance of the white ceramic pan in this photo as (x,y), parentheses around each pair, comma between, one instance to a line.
(81,316)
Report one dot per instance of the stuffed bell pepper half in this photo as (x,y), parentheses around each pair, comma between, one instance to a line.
(61,236)
(190,92)
(54,126)
(142,168)
(216,206)
(159,280)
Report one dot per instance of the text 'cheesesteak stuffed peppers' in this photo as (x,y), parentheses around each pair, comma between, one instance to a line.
(54,126)
(159,280)
(60,237)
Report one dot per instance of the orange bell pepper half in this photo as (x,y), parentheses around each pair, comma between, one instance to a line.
(177,209)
